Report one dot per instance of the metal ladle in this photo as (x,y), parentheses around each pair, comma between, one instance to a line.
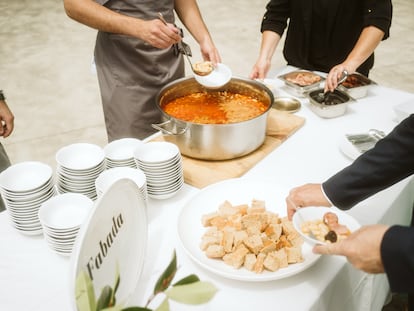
(184,49)
(323,97)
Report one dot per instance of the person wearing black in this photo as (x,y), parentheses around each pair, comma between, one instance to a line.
(7,122)
(375,248)
(330,36)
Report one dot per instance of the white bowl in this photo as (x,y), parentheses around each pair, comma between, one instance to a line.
(219,77)
(122,149)
(25,176)
(156,153)
(316,213)
(110,176)
(65,211)
(80,156)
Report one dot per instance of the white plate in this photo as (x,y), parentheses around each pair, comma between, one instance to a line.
(219,77)
(118,216)
(404,109)
(317,212)
(348,149)
(236,191)
(158,153)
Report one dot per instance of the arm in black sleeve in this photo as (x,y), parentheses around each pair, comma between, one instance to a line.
(397,254)
(378,13)
(391,160)
(276,16)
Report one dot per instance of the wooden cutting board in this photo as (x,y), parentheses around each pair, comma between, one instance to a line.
(201,173)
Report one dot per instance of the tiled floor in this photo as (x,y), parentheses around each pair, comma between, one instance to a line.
(45,67)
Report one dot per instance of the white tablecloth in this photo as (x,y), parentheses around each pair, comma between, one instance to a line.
(32,277)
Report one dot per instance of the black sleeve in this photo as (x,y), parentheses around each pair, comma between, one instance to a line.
(378,13)
(397,253)
(276,16)
(391,160)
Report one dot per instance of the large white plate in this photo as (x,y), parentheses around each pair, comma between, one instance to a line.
(117,219)
(236,191)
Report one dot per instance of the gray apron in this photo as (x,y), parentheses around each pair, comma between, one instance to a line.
(132,72)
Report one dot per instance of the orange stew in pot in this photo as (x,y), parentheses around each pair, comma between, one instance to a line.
(219,107)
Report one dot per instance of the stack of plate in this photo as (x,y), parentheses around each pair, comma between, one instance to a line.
(162,164)
(107,178)
(24,187)
(78,167)
(120,152)
(61,218)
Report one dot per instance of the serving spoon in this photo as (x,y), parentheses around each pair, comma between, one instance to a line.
(206,70)
(323,97)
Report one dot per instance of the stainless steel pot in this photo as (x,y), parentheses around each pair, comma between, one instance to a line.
(214,141)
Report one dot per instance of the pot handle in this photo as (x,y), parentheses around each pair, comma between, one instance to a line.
(171,130)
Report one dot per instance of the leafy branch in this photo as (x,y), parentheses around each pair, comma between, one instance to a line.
(189,290)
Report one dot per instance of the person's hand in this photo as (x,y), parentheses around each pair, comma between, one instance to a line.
(306,195)
(361,248)
(335,74)
(6,119)
(158,34)
(260,69)
(209,52)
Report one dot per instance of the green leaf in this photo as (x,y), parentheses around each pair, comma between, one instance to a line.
(116,285)
(85,293)
(167,276)
(188,280)
(114,308)
(164,306)
(136,309)
(194,293)
(104,300)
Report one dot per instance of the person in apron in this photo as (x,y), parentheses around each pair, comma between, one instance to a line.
(135,56)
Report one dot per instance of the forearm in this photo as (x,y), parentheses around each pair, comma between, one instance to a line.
(189,14)
(94,15)
(270,40)
(369,39)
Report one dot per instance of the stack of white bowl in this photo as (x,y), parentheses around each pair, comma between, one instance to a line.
(61,217)
(78,166)
(120,152)
(24,187)
(108,177)
(162,164)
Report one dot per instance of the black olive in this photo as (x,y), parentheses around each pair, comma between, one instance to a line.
(331,236)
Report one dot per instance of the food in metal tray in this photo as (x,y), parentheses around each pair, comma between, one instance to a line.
(251,237)
(303,78)
(327,229)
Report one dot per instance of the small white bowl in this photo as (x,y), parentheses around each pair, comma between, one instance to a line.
(156,152)
(80,156)
(313,213)
(64,211)
(25,176)
(219,77)
(121,149)
(110,176)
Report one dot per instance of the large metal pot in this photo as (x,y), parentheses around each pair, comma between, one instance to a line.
(214,141)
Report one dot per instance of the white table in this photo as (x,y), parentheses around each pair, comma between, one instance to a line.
(34,278)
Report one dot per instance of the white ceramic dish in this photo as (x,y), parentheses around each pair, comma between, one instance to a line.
(25,176)
(113,238)
(219,77)
(108,177)
(80,156)
(121,149)
(65,211)
(237,191)
(316,212)
(403,110)
(156,153)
